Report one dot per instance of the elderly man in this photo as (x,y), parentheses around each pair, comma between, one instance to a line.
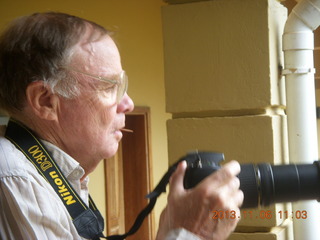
(63,86)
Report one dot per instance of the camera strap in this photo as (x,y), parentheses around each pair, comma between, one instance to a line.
(87,220)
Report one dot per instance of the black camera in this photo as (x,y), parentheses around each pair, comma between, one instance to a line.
(262,184)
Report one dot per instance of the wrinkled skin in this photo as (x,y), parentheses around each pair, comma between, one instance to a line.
(88,128)
(192,209)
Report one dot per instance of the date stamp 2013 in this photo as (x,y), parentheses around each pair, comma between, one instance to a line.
(262,214)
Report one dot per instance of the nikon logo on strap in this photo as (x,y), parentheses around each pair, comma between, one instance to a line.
(88,221)
(41,161)
(39,157)
(64,192)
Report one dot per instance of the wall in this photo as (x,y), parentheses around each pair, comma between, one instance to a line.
(139,36)
(225,90)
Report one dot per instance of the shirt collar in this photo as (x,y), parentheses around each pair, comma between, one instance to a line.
(69,166)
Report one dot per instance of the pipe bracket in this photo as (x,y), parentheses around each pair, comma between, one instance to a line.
(298,71)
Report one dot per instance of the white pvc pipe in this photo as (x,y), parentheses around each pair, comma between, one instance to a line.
(298,45)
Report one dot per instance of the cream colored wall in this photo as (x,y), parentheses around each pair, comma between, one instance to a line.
(139,36)
(230,96)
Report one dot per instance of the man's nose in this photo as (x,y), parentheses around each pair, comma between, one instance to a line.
(126,104)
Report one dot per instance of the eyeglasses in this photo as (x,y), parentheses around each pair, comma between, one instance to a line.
(121,83)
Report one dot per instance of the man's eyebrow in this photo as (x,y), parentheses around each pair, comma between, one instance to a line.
(112,76)
(97,77)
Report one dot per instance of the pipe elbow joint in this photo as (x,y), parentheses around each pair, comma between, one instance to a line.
(305,16)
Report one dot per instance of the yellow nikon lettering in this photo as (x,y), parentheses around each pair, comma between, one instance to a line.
(45,165)
(53,174)
(69,200)
(62,189)
(64,192)
(33,149)
(40,157)
(58,181)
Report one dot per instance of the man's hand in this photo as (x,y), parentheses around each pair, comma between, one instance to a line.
(192,209)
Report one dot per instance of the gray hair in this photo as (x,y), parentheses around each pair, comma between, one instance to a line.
(37,48)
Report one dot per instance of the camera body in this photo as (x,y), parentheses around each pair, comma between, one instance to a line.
(200,165)
(262,184)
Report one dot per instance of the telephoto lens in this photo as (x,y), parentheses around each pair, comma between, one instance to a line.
(262,184)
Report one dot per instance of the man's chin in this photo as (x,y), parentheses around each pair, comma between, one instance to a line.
(112,150)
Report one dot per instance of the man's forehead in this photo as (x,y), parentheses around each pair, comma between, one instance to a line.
(93,44)
(102,51)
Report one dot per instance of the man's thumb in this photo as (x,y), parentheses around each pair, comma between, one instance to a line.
(176,180)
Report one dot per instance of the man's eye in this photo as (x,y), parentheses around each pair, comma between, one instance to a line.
(111,88)
(107,88)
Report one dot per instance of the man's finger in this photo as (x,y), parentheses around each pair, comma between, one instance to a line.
(176,180)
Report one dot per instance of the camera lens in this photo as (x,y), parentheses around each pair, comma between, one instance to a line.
(265,184)
(262,184)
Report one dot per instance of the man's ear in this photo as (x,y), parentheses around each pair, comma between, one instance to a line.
(42,101)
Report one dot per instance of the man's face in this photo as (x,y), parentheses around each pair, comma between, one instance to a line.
(92,121)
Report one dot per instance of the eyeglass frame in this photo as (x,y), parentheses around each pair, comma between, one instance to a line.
(122,84)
